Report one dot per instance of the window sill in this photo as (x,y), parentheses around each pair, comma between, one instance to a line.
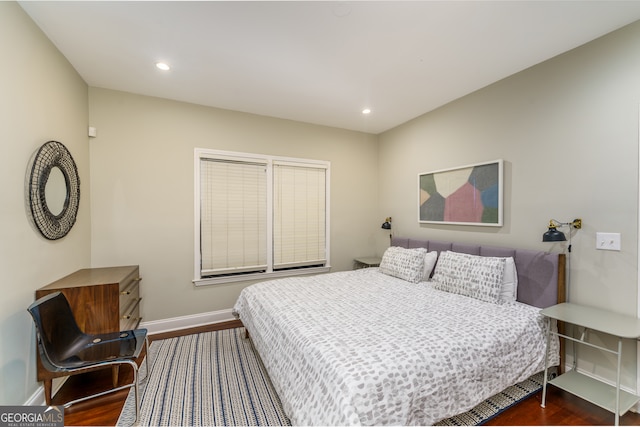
(260,276)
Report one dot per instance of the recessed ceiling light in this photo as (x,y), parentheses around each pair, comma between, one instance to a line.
(163,66)
(366,111)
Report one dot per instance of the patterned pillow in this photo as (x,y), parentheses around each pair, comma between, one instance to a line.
(474,276)
(405,264)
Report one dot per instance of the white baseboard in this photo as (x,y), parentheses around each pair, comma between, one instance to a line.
(191,321)
(37,398)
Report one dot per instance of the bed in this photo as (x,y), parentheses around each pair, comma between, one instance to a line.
(406,343)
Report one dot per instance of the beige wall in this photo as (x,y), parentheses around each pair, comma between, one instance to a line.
(142,175)
(42,98)
(568,132)
(567,129)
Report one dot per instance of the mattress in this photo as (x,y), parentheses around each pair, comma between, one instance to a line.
(364,348)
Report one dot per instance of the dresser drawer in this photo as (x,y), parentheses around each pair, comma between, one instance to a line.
(130,319)
(130,302)
(129,292)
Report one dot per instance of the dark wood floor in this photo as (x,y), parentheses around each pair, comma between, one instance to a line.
(562,408)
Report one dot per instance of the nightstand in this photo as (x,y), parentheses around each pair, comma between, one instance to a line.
(590,389)
(366,262)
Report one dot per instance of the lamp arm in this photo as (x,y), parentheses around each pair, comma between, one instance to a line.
(576,223)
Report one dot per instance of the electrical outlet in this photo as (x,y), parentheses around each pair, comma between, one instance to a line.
(608,241)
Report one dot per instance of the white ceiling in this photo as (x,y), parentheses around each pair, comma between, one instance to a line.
(319,62)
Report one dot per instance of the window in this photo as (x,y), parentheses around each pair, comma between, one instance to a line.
(259,216)
(233,221)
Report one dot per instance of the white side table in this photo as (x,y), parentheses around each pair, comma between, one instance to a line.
(366,262)
(604,395)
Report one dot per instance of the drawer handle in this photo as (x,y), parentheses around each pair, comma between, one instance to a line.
(132,310)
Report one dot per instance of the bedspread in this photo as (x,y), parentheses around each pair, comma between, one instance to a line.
(364,348)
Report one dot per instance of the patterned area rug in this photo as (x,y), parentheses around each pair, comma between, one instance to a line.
(496,404)
(217,379)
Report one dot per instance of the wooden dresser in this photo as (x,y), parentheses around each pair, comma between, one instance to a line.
(102,300)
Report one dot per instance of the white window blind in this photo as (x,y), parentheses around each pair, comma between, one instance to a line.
(259,216)
(233,216)
(299,209)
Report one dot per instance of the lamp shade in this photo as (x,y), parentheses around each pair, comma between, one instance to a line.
(386,225)
(553,235)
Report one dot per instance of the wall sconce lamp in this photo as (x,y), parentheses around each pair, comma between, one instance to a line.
(387,224)
(553,235)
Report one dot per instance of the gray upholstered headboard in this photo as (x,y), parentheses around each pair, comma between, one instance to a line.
(541,275)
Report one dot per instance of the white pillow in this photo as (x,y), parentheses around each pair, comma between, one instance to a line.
(430,260)
(471,275)
(509,290)
(405,264)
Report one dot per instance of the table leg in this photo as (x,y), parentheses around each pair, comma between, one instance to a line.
(618,381)
(115,369)
(546,367)
(48,386)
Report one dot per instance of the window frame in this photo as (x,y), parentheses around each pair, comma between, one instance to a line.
(200,153)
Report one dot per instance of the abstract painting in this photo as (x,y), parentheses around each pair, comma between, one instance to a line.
(467,195)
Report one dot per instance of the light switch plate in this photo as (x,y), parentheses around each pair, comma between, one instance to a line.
(608,241)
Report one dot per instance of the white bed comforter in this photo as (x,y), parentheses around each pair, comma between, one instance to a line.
(364,348)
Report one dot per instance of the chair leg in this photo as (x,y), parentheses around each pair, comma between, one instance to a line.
(137,392)
(146,358)
(134,384)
